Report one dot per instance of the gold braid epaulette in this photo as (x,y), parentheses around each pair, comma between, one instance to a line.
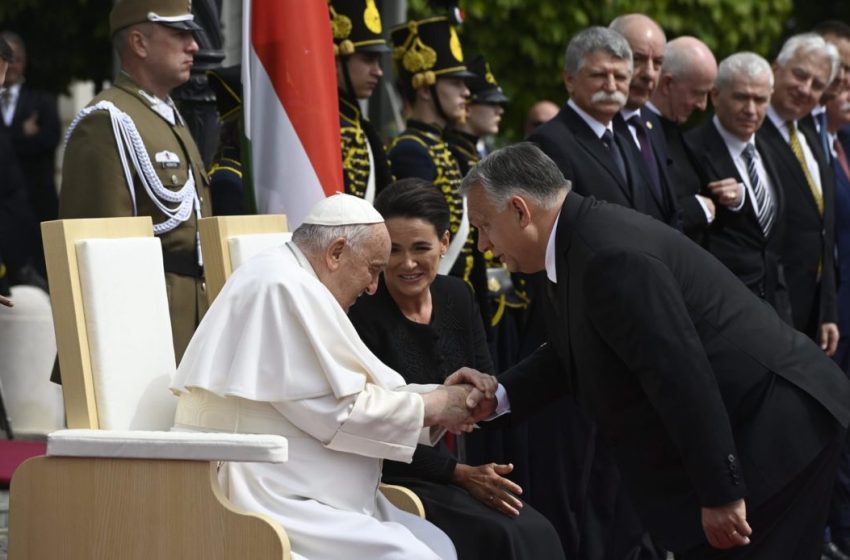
(355,158)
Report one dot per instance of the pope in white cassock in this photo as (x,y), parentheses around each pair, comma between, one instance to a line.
(276,354)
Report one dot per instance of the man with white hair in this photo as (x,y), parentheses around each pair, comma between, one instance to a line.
(805,66)
(581,139)
(746,234)
(647,41)
(687,76)
(276,353)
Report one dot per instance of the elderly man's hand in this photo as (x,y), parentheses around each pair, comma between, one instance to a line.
(6,301)
(446,406)
(728,192)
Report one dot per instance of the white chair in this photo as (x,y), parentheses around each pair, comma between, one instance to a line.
(118,484)
(227,242)
(27,351)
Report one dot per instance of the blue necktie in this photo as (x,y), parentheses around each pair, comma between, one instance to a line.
(616,154)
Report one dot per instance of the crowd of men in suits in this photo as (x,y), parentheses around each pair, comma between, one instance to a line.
(762,184)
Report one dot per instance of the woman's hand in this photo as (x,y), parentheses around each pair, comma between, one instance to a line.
(489,485)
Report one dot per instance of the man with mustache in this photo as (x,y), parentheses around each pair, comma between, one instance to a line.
(581,139)
(746,234)
(601,162)
(130,153)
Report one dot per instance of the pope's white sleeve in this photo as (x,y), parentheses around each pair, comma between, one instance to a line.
(376,422)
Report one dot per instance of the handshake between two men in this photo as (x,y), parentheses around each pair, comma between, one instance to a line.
(467,397)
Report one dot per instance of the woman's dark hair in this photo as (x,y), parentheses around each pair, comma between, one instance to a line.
(414,198)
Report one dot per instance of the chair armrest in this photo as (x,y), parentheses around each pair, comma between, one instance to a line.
(187,446)
(403,498)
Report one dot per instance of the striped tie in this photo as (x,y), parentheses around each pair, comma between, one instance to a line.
(764,207)
(797,148)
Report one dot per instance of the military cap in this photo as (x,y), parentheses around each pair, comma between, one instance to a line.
(226,83)
(356,26)
(427,49)
(484,88)
(173,13)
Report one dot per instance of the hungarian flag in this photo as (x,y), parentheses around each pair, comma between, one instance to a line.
(291,106)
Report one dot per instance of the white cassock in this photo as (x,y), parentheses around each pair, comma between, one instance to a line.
(277,354)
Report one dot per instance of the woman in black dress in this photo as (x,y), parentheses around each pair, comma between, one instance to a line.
(425,327)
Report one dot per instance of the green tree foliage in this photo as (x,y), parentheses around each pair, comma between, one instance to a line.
(524,40)
(66,39)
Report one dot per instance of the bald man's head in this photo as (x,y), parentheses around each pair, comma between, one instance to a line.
(647,41)
(687,76)
(539,113)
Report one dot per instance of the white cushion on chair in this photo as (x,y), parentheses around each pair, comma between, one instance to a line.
(192,446)
(126,310)
(243,247)
(27,352)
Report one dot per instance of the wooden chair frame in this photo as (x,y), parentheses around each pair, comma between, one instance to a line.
(79,508)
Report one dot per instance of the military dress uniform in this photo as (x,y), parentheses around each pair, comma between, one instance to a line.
(356,27)
(227,190)
(95,184)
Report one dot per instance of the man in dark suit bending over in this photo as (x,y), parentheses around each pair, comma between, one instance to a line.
(725,422)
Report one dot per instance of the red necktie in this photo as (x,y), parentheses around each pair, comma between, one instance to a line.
(842,157)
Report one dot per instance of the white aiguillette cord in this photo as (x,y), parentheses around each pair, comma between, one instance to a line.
(129,141)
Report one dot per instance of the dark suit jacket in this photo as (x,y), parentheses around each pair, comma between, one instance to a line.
(809,237)
(703,393)
(37,154)
(667,203)
(842,245)
(684,179)
(17,222)
(584,160)
(736,238)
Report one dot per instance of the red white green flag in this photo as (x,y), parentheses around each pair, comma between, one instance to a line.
(291,106)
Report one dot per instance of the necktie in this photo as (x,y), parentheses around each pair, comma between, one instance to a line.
(616,154)
(5,103)
(797,148)
(824,135)
(648,156)
(764,207)
(841,156)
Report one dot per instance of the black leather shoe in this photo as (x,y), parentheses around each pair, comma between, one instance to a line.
(832,552)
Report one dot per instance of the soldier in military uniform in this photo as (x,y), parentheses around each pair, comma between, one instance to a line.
(226,188)
(358,45)
(432,79)
(484,112)
(129,153)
